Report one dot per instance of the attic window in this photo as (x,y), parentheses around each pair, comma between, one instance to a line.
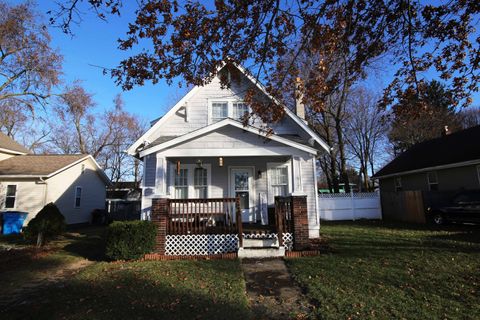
(432,180)
(398,184)
(219,111)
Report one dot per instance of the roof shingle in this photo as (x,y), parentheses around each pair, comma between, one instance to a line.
(8,143)
(37,165)
(457,147)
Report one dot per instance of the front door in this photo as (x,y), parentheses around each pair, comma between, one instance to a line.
(241,185)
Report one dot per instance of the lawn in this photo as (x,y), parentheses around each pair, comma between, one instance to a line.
(377,270)
(122,290)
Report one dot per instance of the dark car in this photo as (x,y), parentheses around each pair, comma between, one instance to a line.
(464,207)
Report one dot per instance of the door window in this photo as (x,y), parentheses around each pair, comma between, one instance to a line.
(241,188)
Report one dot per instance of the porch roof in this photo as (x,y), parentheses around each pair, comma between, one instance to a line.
(166,142)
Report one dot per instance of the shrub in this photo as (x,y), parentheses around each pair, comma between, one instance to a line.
(48,223)
(128,240)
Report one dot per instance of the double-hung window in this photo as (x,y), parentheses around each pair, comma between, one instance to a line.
(78,197)
(200,183)
(432,180)
(11,196)
(240,109)
(279,181)
(219,111)
(398,184)
(181,184)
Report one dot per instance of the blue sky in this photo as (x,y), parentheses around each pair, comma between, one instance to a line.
(95,44)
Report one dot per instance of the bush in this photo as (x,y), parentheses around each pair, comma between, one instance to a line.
(47,224)
(128,240)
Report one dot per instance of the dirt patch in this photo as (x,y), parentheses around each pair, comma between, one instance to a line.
(271,291)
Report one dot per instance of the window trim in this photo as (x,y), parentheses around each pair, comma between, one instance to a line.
(230,102)
(272,165)
(16,196)
(399,186)
(190,179)
(75,197)
(430,183)
(478,174)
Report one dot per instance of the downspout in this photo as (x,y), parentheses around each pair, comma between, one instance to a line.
(45,190)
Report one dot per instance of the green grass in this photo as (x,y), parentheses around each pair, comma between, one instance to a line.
(119,290)
(387,271)
(146,290)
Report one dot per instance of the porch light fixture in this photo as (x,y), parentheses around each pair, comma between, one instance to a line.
(259,174)
(199,163)
(220,161)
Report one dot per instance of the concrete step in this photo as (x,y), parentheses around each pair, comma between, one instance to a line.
(261,252)
(260,243)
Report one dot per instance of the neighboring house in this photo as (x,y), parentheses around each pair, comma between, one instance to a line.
(75,183)
(123,200)
(10,148)
(448,163)
(201,149)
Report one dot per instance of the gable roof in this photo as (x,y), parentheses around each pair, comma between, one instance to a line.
(221,124)
(458,148)
(133,149)
(9,145)
(43,166)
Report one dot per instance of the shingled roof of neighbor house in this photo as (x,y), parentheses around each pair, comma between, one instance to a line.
(9,144)
(37,165)
(457,147)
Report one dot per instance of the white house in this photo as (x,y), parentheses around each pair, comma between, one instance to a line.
(200,149)
(75,183)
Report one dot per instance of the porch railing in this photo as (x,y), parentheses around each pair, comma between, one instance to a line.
(283,216)
(204,216)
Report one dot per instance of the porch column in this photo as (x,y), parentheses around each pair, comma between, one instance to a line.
(300,222)
(159,218)
(297,176)
(161,175)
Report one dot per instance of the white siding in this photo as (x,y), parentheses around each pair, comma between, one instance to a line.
(30,196)
(61,191)
(308,184)
(197,108)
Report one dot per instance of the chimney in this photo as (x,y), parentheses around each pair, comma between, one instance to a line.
(299,106)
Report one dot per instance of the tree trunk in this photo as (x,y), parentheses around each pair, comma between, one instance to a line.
(40,239)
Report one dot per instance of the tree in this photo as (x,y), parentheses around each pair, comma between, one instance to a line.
(366,131)
(105,136)
(29,67)
(470,117)
(416,119)
(192,39)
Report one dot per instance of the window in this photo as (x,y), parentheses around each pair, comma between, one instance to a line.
(200,183)
(219,111)
(181,184)
(478,173)
(398,184)
(78,197)
(432,181)
(239,110)
(279,181)
(10,196)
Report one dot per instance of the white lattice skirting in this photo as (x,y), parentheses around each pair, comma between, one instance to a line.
(200,244)
(288,241)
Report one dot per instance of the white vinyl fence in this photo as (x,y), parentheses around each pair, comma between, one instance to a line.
(350,206)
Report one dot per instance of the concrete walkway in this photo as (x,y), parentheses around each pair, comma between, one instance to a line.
(272,293)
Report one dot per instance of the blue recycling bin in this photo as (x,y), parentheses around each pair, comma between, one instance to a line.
(13,221)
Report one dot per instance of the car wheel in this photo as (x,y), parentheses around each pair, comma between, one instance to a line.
(438,219)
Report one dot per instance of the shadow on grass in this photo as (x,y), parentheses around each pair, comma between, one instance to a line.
(130,292)
(88,243)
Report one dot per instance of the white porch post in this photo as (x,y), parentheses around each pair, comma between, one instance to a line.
(161,175)
(297,176)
